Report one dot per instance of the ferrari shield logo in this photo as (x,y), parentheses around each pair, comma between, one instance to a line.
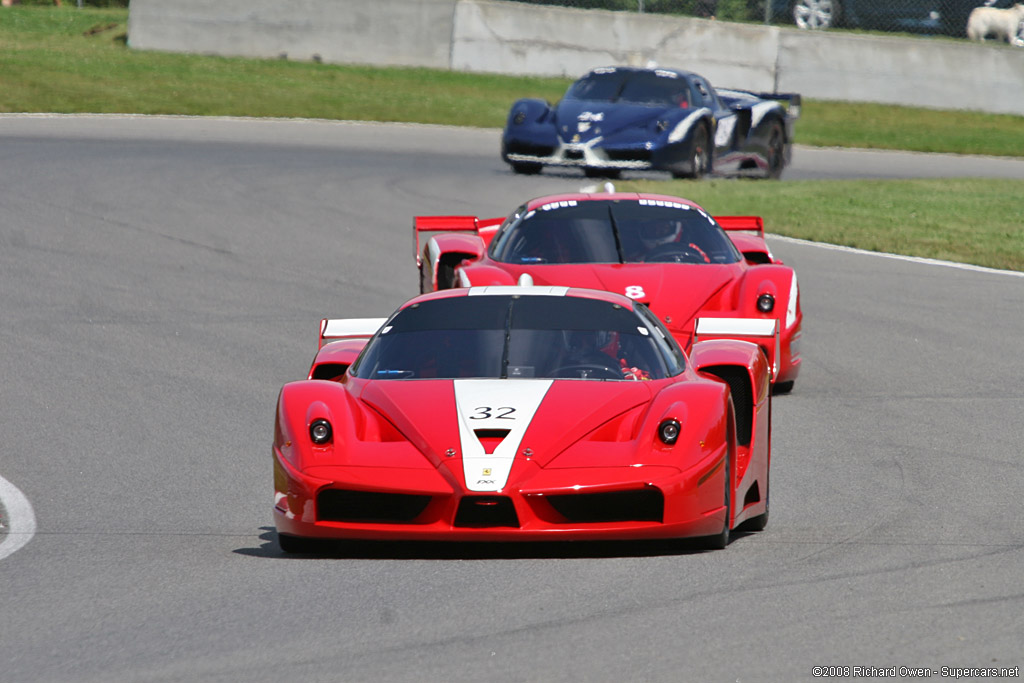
(576,138)
(486,472)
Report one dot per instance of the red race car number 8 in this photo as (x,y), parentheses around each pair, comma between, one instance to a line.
(635,292)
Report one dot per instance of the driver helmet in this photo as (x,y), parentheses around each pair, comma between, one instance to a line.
(580,341)
(663,232)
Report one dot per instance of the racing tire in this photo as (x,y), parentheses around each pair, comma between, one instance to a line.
(761,521)
(782,387)
(776,156)
(522,168)
(297,545)
(606,173)
(720,540)
(426,285)
(700,156)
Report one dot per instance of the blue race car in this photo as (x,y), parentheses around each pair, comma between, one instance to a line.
(650,119)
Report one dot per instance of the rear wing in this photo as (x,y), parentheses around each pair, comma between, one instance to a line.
(747,233)
(340,329)
(791,101)
(448,239)
(764,332)
(753,225)
(431,225)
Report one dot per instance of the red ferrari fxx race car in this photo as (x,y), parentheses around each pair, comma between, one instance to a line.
(661,251)
(521,414)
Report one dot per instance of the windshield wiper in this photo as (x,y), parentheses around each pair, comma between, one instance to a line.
(508,339)
(615,231)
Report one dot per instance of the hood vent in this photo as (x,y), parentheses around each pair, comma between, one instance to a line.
(490,438)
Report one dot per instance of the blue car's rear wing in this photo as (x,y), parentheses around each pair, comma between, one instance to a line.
(791,101)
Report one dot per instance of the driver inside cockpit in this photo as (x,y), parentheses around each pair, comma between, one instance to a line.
(666,241)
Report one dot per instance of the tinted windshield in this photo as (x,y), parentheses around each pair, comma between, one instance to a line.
(634,231)
(497,336)
(655,88)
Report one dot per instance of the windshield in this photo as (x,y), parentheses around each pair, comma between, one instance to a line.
(614,231)
(653,88)
(504,336)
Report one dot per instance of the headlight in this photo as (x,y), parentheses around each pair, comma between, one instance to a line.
(668,431)
(766,303)
(320,432)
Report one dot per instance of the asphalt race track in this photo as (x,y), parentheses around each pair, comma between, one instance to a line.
(162,278)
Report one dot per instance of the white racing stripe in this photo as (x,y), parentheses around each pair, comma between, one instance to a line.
(20,519)
(495,405)
(898,257)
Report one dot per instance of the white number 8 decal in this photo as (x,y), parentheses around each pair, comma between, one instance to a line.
(635,292)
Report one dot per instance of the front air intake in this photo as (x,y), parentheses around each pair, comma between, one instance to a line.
(335,505)
(742,391)
(486,511)
(645,505)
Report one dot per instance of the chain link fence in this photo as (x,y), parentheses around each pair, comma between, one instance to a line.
(935,17)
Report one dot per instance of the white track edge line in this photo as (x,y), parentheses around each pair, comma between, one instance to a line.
(898,257)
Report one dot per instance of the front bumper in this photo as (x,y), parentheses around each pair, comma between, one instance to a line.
(593,154)
(606,503)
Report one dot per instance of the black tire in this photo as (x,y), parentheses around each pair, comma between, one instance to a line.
(782,387)
(700,155)
(523,168)
(761,521)
(446,270)
(720,540)
(297,545)
(425,281)
(776,153)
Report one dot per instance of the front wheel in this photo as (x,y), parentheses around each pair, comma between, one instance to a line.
(782,387)
(700,156)
(721,540)
(523,168)
(298,545)
(761,521)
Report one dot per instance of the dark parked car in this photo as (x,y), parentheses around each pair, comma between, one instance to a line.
(919,16)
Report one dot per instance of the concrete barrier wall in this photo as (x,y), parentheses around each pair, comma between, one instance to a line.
(923,72)
(513,38)
(385,32)
(506,37)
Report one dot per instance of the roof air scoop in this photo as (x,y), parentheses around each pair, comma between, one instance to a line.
(525,280)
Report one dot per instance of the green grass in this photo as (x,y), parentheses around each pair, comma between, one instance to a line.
(971,220)
(66,60)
